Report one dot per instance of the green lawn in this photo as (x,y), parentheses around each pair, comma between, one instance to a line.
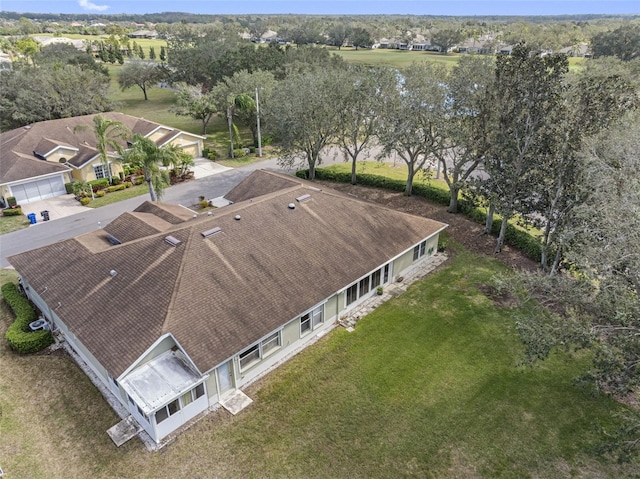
(394,58)
(427,386)
(12,223)
(109,198)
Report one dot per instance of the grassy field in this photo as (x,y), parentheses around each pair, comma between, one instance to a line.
(13,223)
(394,58)
(427,386)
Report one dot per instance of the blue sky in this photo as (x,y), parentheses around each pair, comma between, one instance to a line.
(344,7)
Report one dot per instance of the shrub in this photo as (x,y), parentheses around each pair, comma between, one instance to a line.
(116,181)
(113,188)
(204,204)
(18,335)
(85,201)
(239,153)
(267,140)
(127,184)
(68,187)
(99,184)
(12,211)
(11,201)
(138,181)
(100,194)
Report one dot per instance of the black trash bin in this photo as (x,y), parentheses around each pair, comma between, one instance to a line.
(45,215)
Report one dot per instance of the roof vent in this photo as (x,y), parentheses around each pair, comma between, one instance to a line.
(113,240)
(113,272)
(172,240)
(211,232)
(237,217)
(292,206)
(302,198)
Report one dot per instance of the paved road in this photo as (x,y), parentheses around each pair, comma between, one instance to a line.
(185,194)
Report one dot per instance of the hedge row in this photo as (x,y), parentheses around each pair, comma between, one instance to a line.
(17,211)
(514,237)
(19,336)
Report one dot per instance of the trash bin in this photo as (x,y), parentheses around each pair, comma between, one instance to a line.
(45,215)
(32,218)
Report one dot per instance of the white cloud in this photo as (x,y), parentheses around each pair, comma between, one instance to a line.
(87,5)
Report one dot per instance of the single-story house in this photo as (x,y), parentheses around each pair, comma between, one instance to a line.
(174,311)
(37,160)
(143,34)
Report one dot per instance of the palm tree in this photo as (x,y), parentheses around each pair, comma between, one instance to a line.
(242,102)
(147,156)
(107,133)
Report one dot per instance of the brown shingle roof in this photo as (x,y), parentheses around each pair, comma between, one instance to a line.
(219,294)
(20,143)
(259,183)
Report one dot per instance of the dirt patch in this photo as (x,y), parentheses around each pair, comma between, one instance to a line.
(462,229)
(502,299)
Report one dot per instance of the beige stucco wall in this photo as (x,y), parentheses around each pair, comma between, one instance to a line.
(159,133)
(61,153)
(403,262)
(87,173)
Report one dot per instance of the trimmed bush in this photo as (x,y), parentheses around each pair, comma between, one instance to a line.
(113,188)
(100,193)
(99,184)
(84,201)
(20,338)
(12,211)
(138,181)
(127,184)
(239,153)
(11,201)
(68,187)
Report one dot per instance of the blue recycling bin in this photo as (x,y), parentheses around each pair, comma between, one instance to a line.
(32,218)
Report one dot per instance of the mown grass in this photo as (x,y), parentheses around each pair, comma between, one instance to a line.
(12,223)
(429,385)
(116,196)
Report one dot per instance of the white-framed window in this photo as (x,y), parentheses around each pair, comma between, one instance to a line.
(419,250)
(190,396)
(169,410)
(368,283)
(101,172)
(259,351)
(311,320)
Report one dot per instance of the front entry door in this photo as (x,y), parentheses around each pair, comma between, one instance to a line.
(225,377)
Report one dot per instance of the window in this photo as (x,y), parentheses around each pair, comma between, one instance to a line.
(190,396)
(249,356)
(419,250)
(364,286)
(375,278)
(385,279)
(259,351)
(102,172)
(318,316)
(169,410)
(271,343)
(352,293)
(305,323)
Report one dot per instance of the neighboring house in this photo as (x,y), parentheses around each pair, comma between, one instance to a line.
(143,34)
(47,40)
(580,50)
(37,160)
(173,313)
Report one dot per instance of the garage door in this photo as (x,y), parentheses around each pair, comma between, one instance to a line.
(191,150)
(38,190)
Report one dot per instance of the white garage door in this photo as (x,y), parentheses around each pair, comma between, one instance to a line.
(38,190)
